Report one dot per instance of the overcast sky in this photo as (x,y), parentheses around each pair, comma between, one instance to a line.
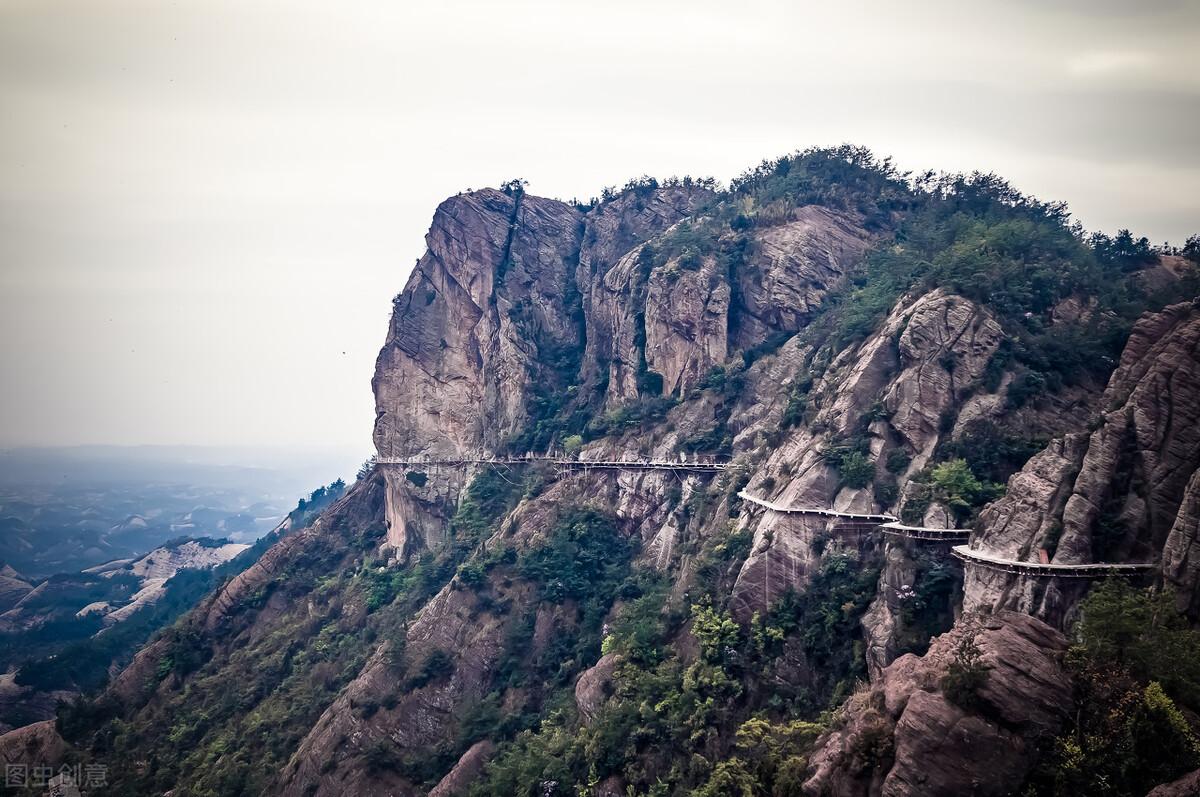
(206,207)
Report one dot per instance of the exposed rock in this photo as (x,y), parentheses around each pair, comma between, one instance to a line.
(882,619)
(793,266)
(488,304)
(687,323)
(926,357)
(613,231)
(594,686)
(902,736)
(1121,493)
(459,779)
(523,307)
(1181,553)
(1187,786)
(36,745)
(944,347)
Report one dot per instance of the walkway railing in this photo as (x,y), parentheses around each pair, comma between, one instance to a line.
(1092,570)
(566,462)
(819,511)
(898,529)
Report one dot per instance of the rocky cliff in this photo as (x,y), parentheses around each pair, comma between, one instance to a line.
(820,331)
(1123,492)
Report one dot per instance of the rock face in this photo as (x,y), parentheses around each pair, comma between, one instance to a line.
(494,261)
(1181,553)
(459,779)
(902,736)
(1187,786)
(1125,492)
(795,264)
(493,299)
(612,284)
(895,388)
(592,688)
(33,745)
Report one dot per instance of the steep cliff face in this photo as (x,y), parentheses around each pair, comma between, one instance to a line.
(612,285)
(483,316)
(1121,493)
(486,281)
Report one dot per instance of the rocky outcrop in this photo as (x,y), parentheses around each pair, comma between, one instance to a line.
(530,320)
(791,268)
(1122,493)
(459,779)
(489,305)
(609,281)
(944,349)
(486,299)
(1187,786)
(594,686)
(687,323)
(903,736)
(1181,553)
(36,745)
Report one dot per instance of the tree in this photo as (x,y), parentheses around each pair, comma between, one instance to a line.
(1191,249)
(715,631)
(572,444)
(856,470)
(956,485)
(966,674)
(514,187)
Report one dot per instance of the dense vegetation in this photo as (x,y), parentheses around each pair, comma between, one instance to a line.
(1136,665)
(725,720)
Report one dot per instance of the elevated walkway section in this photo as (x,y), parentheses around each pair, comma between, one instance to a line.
(868,518)
(1048,570)
(898,529)
(705,465)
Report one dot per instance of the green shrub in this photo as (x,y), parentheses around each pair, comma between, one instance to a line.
(438,664)
(897,460)
(966,674)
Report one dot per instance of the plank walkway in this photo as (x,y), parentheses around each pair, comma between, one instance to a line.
(1091,570)
(819,511)
(898,529)
(566,462)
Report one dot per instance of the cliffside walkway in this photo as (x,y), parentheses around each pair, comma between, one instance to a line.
(859,521)
(898,529)
(564,462)
(873,519)
(1094,570)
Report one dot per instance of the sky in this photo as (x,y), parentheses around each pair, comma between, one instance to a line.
(206,207)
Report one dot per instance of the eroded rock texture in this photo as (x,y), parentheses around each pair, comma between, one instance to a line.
(1125,492)
(903,736)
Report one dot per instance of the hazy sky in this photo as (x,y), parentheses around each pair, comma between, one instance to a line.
(206,207)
